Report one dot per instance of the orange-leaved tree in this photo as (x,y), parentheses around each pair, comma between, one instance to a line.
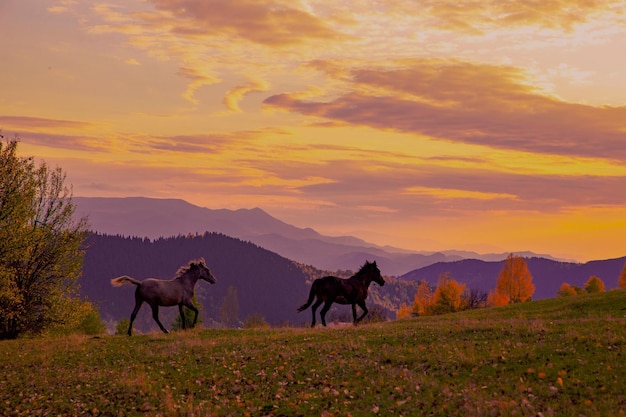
(622,278)
(404,311)
(515,282)
(567,290)
(448,295)
(424,299)
(594,284)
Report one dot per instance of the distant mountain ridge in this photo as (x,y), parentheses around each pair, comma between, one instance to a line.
(548,275)
(155,218)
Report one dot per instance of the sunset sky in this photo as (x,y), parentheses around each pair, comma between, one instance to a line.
(493,126)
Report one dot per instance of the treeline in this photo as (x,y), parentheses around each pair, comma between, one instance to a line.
(514,284)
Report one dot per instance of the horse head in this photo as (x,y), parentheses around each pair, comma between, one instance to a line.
(204,272)
(374,272)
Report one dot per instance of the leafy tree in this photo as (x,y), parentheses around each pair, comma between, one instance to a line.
(122,327)
(622,278)
(41,249)
(566,290)
(229,310)
(404,311)
(424,299)
(255,321)
(497,299)
(448,294)
(594,284)
(76,317)
(514,281)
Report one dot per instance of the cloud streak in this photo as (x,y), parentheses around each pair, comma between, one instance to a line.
(471,103)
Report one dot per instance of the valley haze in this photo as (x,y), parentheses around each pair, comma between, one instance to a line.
(154,218)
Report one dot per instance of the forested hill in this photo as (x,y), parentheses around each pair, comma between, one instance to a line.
(266,283)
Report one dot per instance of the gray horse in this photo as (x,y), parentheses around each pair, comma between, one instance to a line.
(178,291)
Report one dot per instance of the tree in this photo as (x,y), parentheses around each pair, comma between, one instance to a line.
(566,290)
(255,321)
(448,294)
(41,249)
(594,284)
(423,300)
(229,310)
(122,327)
(404,311)
(622,278)
(474,298)
(514,281)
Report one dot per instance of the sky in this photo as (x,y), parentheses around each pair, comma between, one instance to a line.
(483,125)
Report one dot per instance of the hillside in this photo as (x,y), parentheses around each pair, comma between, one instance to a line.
(548,275)
(558,357)
(267,284)
(156,218)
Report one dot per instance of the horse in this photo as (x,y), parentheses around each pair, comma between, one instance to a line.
(353,291)
(177,291)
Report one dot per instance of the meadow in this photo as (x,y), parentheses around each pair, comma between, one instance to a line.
(558,357)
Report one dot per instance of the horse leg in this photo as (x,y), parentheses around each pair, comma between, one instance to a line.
(138,303)
(364,308)
(324,311)
(314,308)
(354,314)
(155,316)
(182,315)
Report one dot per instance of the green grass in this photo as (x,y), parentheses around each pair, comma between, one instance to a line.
(559,357)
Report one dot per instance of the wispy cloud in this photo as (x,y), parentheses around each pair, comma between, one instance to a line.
(267,22)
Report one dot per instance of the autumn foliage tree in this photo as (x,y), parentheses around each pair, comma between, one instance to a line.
(424,299)
(514,284)
(567,290)
(622,278)
(448,295)
(594,284)
(41,251)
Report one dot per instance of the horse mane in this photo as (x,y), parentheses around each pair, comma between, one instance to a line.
(185,268)
(363,268)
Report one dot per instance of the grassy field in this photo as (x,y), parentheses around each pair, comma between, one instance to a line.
(560,357)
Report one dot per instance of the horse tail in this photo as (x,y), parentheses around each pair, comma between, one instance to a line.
(311,298)
(116,282)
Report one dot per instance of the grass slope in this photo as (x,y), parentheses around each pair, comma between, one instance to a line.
(558,357)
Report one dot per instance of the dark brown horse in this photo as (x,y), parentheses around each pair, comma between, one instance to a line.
(353,291)
(178,291)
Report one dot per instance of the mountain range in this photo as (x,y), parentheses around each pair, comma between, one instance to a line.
(156,218)
(270,263)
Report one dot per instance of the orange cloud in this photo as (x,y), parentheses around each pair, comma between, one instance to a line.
(266,22)
(471,103)
(234,96)
(478,16)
